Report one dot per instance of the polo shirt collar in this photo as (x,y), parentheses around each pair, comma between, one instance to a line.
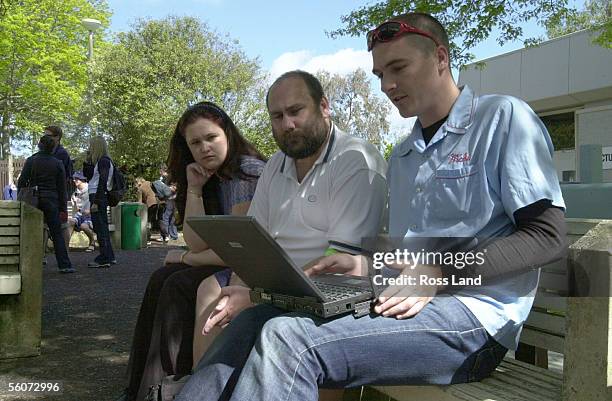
(459,120)
(288,162)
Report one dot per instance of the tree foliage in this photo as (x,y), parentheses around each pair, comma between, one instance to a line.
(597,14)
(43,72)
(468,22)
(355,109)
(144,82)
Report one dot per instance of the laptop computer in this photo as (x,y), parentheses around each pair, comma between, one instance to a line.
(274,279)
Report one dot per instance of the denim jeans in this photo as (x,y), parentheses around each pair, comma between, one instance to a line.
(166,224)
(100,225)
(50,209)
(267,355)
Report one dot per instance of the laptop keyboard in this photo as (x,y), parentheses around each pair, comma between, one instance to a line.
(337,292)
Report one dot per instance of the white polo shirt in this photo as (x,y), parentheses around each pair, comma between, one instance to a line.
(339,201)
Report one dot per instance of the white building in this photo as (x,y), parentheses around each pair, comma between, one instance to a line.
(568,82)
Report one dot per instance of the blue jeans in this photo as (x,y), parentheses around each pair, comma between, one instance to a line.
(50,209)
(166,225)
(100,226)
(267,355)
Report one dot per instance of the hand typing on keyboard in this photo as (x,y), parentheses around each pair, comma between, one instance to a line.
(338,263)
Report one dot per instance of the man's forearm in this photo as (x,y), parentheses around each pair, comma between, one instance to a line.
(540,238)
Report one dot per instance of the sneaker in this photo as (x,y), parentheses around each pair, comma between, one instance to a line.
(98,265)
(90,248)
(113,262)
(67,270)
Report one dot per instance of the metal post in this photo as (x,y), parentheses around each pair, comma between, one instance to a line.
(91,35)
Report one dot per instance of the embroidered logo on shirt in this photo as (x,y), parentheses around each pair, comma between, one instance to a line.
(312,198)
(459,157)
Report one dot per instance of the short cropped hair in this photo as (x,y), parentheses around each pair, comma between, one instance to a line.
(312,83)
(55,130)
(429,24)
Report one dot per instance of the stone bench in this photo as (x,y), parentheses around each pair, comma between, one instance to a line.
(21,253)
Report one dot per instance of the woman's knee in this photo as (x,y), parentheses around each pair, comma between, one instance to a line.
(208,288)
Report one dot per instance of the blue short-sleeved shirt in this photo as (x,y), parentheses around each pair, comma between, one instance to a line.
(491,157)
(235,191)
(239,190)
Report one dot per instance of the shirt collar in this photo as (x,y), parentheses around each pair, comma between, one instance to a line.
(323,157)
(459,120)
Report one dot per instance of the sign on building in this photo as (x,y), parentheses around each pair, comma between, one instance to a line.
(606,157)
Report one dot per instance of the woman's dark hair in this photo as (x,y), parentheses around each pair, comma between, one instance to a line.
(180,155)
(46,144)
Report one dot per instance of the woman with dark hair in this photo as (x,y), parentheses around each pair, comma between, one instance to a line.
(46,172)
(215,170)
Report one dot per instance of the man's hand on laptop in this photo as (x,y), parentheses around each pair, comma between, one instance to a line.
(338,263)
(404,301)
(233,300)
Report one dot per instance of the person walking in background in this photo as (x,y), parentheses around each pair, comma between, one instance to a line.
(166,193)
(81,220)
(100,183)
(60,153)
(46,172)
(147,196)
(10,190)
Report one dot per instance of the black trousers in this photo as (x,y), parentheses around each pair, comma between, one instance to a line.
(163,336)
(50,209)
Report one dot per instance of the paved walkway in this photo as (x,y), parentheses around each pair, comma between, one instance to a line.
(87,324)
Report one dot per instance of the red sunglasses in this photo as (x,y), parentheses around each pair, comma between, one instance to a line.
(391,30)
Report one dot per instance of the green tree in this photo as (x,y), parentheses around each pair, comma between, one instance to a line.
(43,71)
(468,22)
(597,14)
(354,107)
(144,82)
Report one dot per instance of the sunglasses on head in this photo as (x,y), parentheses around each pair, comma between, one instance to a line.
(391,30)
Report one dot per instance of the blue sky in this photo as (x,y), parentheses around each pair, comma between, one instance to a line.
(285,35)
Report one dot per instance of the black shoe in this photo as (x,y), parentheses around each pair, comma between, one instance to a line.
(113,262)
(67,270)
(98,265)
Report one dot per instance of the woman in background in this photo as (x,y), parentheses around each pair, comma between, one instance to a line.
(100,182)
(42,169)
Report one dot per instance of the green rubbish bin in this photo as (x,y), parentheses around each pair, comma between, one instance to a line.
(130,225)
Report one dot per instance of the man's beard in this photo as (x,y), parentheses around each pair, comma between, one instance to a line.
(303,142)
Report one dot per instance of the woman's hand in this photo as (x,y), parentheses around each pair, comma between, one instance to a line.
(174,256)
(233,300)
(197,176)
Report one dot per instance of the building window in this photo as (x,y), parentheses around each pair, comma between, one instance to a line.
(568,176)
(561,130)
